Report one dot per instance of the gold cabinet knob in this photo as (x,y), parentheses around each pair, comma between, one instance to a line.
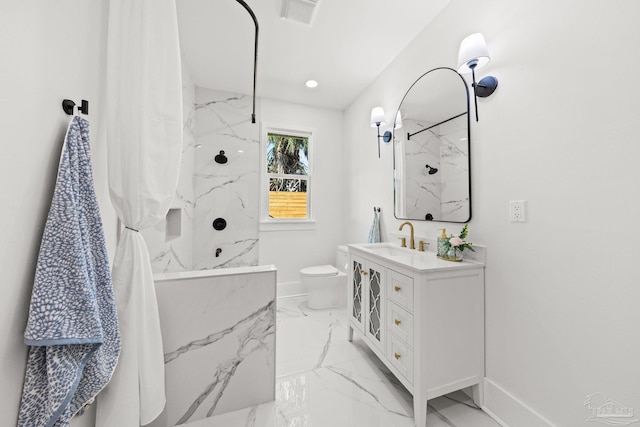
(397,356)
(397,288)
(397,321)
(363,272)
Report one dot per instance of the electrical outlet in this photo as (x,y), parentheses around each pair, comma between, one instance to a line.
(517,211)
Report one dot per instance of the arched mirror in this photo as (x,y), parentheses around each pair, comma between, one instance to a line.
(432,178)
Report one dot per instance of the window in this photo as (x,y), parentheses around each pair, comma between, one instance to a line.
(287,176)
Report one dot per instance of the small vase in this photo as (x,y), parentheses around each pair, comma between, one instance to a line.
(453,255)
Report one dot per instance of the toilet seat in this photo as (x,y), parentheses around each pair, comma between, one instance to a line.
(319,271)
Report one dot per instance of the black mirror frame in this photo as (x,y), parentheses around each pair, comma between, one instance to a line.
(395,201)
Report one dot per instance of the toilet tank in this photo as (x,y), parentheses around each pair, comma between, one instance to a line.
(342,258)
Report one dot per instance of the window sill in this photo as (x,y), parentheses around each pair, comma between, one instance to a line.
(288,225)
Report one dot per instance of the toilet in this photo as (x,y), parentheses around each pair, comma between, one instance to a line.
(326,285)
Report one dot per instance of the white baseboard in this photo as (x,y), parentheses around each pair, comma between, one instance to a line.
(509,411)
(290,289)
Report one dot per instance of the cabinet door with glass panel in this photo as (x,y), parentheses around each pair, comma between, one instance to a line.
(367,300)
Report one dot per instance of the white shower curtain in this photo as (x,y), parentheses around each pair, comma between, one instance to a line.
(144,137)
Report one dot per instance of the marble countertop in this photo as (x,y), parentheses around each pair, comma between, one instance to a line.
(412,258)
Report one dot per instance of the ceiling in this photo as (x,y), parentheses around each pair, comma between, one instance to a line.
(347,45)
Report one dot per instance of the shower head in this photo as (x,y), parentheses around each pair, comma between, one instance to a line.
(431,170)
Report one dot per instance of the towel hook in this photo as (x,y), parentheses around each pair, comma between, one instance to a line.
(67,106)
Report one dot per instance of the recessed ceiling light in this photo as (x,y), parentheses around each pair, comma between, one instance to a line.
(311,83)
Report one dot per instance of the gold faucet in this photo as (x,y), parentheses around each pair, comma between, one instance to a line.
(412,243)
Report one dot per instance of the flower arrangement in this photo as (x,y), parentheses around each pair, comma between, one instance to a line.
(456,244)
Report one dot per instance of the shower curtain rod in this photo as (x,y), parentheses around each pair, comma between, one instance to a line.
(409,135)
(255,57)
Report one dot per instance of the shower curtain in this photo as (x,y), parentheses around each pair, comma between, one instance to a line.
(144,137)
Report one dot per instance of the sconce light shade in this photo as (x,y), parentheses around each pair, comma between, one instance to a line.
(473,53)
(377,120)
(377,117)
(398,123)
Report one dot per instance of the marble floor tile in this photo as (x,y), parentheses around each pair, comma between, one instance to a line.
(307,339)
(325,381)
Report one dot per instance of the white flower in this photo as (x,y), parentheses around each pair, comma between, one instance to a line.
(455,241)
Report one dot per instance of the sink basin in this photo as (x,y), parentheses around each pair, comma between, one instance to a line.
(404,256)
(386,249)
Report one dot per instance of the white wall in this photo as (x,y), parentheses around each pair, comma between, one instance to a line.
(50,51)
(290,251)
(560,132)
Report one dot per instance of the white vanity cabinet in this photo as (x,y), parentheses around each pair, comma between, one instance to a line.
(423,317)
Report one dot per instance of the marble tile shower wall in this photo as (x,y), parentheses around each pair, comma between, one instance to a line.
(209,191)
(422,189)
(440,147)
(454,157)
(227,191)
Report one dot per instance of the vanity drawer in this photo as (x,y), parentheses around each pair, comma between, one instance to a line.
(400,289)
(400,323)
(400,356)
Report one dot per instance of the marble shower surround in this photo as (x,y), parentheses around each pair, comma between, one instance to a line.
(214,121)
(218,331)
(231,190)
(443,194)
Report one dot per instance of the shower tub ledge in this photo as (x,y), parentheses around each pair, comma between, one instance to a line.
(218,331)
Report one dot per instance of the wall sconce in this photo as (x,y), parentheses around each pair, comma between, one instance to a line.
(377,120)
(472,56)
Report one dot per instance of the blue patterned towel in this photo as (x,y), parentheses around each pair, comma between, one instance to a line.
(73,325)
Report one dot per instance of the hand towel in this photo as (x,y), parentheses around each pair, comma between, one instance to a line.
(72,328)
(374,232)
